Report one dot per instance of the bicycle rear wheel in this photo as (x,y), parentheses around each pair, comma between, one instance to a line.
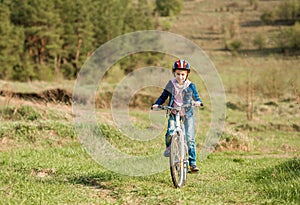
(178,166)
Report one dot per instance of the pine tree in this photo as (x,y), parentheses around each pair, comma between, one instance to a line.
(108,19)
(42,33)
(52,38)
(77,35)
(138,16)
(11,44)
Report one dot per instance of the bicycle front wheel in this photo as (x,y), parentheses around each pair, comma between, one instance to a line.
(177,161)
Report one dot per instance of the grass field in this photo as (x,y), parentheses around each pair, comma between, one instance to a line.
(42,162)
(28,176)
(257,160)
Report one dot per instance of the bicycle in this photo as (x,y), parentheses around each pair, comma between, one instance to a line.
(178,150)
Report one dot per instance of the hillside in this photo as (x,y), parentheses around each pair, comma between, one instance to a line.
(266,72)
(257,157)
(206,22)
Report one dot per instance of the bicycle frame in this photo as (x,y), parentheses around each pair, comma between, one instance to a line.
(178,160)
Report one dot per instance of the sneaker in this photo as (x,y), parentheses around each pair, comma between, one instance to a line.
(167,151)
(194,168)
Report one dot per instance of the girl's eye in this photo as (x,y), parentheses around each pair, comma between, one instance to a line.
(179,74)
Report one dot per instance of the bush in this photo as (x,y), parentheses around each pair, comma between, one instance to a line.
(28,113)
(267,17)
(294,36)
(231,140)
(44,73)
(232,35)
(259,41)
(22,113)
(168,7)
(288,10)
(234,45)
(289,38)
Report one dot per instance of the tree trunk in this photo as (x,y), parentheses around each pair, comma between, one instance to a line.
(79,42)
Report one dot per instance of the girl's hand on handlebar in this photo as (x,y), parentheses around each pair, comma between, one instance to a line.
(155,106)
(198,104)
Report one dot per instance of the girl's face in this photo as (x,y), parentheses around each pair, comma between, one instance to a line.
(180,76)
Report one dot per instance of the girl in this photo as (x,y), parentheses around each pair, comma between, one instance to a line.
(181,91)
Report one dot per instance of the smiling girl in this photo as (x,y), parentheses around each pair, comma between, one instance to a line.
(181,91)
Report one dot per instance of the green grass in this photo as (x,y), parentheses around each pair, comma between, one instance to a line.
(35,86)
(42,162)
(280,182)
(68,175)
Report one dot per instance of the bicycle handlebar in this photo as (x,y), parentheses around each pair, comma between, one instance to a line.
(160,107)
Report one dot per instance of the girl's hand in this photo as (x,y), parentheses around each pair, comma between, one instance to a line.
(155,106)
(198,104)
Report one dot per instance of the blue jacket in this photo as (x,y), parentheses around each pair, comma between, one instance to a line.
(189,94)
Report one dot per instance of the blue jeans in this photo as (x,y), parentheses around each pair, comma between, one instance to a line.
(189,134)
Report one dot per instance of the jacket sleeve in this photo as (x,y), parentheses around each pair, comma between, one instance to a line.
(195,93)
(165,94)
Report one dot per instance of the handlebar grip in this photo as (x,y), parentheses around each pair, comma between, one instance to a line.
(159,106)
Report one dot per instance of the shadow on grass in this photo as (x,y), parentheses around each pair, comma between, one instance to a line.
(281,183)
(111,181)
(278,22)
(264,52)
(99,181)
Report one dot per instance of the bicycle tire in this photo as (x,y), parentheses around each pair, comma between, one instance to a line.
(178,166)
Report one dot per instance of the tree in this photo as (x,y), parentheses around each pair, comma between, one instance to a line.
(289,38)
(294,36)
(127,17)
(289,10)
(77,34)
(168,7)
(268,17)
(42,32)
(138,17)
(259,41)
(109,19)
(41,39)
(11,44)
